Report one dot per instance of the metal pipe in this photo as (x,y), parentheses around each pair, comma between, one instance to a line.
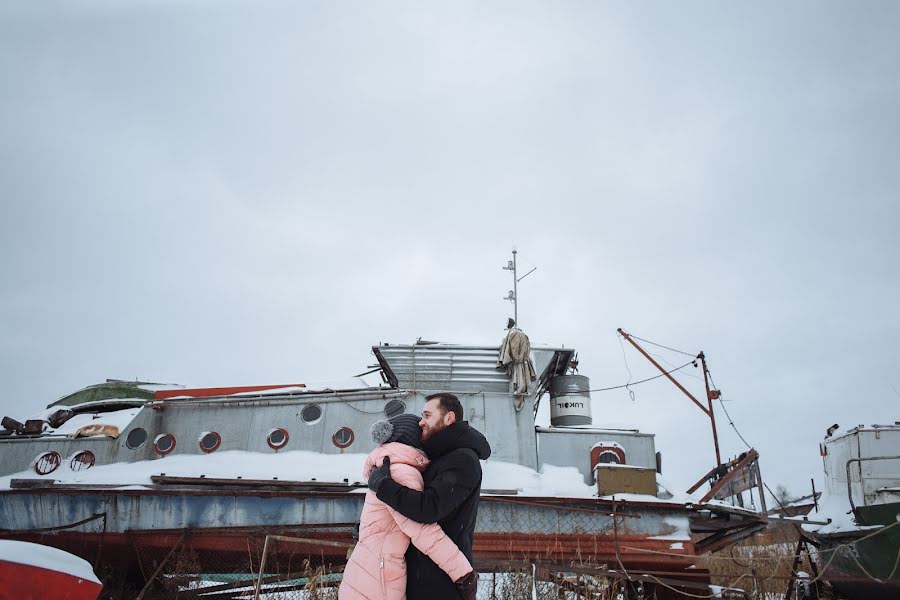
(709,398)
(283,400)
(663,371)
(860,460)
(515,292)
(262,568)
(312,541)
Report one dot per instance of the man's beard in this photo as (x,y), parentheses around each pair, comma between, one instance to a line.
(429,433)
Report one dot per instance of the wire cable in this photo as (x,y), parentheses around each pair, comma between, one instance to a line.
(671,365)
(630,383)
(733,426)
(627,368)
(661,346)
(731,421)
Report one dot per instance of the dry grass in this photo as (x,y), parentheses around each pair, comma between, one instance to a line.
(761,564)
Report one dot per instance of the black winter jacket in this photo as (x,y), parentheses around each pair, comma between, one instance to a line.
(450,499)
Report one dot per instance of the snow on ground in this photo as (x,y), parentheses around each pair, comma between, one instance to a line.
(45,557)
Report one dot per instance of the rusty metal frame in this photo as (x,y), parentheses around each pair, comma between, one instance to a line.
(726,537)
(734,468)
(798,559)
(710,393)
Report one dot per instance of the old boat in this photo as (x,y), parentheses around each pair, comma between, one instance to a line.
(132,476)
(859,551)
(43,573)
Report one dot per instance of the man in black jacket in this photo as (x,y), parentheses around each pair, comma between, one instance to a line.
(450,498)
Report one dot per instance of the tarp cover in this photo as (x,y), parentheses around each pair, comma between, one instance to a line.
(515,356)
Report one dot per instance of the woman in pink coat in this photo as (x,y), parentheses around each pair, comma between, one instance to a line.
(376,569)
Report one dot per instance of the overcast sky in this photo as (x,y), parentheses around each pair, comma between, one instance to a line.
(216,193)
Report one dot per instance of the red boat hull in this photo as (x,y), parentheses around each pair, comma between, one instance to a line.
(27,581)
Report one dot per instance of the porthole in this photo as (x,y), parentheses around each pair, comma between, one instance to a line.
(210,441)
(607,454)
(343,437)
(136,438)
(164,443)
(609,458)
(47,462)
(311,413)
(82,460)
(394,408)
(278,438)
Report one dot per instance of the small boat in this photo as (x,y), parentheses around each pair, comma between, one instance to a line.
(40,572)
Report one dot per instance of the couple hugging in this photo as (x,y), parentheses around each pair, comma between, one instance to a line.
(424,486)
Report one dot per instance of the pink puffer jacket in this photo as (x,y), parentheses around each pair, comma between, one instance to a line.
(377,569)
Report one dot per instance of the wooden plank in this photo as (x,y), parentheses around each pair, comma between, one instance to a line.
(31,483)
(306,486)
(499,492)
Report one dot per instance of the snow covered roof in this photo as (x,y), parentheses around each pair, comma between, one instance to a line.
(118,419)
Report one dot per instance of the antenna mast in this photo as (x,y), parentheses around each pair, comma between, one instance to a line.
(514,293)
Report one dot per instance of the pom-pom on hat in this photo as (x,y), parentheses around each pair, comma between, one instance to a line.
(402,428)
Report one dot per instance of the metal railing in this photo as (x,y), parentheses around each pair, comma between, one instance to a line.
(849,482)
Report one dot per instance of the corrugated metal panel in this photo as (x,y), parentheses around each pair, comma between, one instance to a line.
(435,367)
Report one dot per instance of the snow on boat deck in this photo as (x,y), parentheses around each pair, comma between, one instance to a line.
(298,465)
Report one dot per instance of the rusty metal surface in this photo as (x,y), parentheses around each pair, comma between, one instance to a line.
(173,508)
(583,529)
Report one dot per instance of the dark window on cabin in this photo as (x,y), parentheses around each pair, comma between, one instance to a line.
(210,441)
(311,413)
(608,457)
(136,438)
(343,437)
(47,462)
(82,460)
(394,408)
(278,438)
(165,443)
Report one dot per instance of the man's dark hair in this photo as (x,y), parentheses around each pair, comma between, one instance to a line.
(448,402)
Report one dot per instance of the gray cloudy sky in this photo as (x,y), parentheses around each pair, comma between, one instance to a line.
(252,192)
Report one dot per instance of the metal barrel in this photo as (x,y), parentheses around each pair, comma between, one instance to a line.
(570,400)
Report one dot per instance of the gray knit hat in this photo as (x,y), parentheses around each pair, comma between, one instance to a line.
(402,428)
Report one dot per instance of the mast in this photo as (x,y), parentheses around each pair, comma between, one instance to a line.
(514,293)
